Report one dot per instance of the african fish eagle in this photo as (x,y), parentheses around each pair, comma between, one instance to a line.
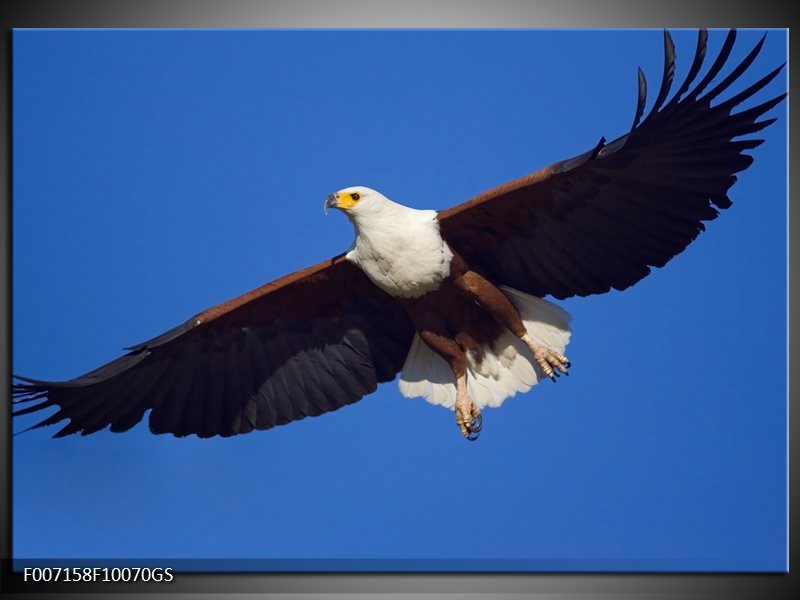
(453,299)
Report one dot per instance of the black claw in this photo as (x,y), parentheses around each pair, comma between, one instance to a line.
(553,379)
(475,427)
(477,424)
(568,364)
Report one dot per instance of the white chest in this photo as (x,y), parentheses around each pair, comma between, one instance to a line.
(405,260)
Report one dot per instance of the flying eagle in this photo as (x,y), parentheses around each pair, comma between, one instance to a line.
(452,300)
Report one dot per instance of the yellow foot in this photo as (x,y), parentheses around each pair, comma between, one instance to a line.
(468,417)
(548,359)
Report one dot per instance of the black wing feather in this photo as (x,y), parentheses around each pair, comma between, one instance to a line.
(301,346)
(603,219)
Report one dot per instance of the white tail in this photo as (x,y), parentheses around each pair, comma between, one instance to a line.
(504,370)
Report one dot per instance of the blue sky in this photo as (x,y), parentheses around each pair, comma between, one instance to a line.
(157,173)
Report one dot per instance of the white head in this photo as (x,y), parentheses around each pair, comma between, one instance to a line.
(358,201)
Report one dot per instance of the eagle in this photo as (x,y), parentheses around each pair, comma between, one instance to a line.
(451,300)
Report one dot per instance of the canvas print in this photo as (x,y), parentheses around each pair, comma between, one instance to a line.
(401,300)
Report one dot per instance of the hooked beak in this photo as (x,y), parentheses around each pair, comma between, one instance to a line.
(331,201)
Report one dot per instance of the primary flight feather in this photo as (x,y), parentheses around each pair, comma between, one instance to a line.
(452,300)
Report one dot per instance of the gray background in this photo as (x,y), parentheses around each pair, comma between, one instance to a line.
(411,13)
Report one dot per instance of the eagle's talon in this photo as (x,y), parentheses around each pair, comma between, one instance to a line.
(468,418)
(477,424)
(474,428)
(547,359)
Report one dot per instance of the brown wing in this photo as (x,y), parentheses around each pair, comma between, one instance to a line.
(303,345)
(602,219)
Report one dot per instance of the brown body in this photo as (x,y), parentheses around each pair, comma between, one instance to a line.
(466,313)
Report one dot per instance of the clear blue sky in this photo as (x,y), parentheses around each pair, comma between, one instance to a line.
(158,173)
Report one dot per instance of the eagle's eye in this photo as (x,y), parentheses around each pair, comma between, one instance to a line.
(355,196)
